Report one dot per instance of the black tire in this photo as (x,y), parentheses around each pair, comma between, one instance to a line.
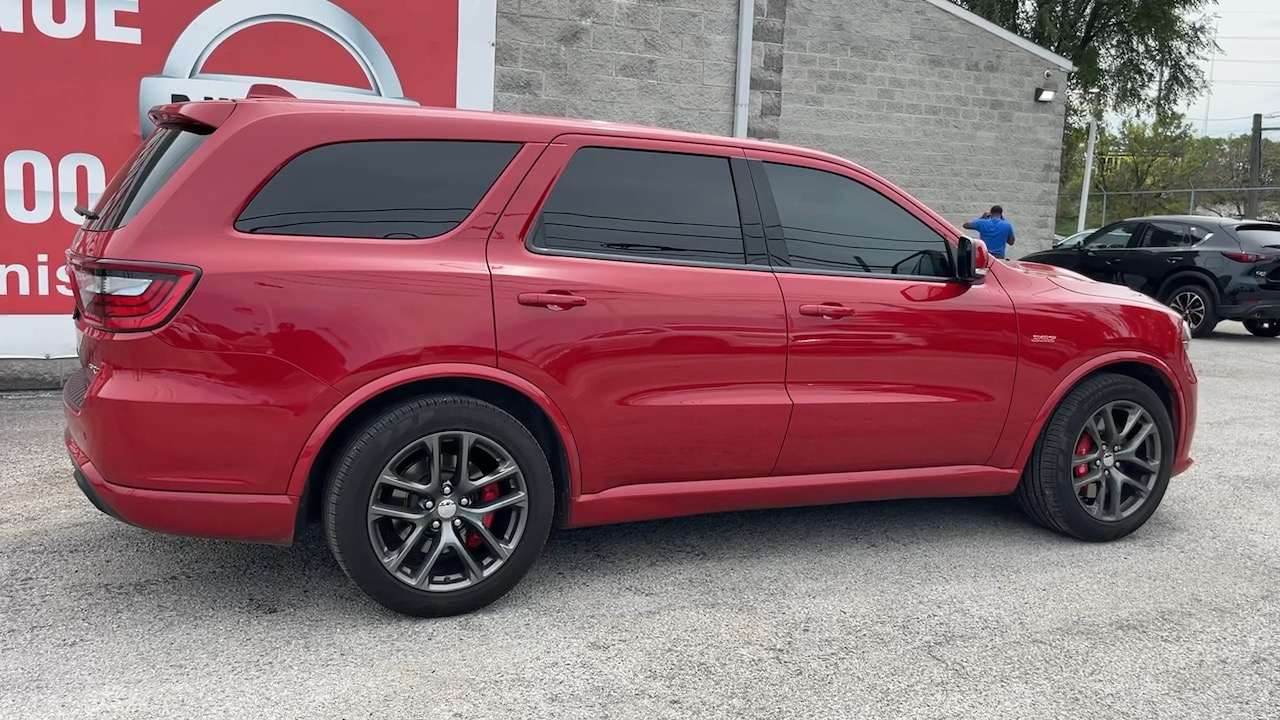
(1263,328)
(1045,491)
(354,474)
(1210,318)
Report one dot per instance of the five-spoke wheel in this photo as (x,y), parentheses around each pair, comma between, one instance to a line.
(440,506)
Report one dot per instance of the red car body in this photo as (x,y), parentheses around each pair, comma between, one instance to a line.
(671,391)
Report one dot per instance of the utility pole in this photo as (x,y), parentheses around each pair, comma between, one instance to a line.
(1088,173)
(1255,168)
(1252,206)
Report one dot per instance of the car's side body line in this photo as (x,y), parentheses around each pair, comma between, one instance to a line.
(353,401)
(632,503)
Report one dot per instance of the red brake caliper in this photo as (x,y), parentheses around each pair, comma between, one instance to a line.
(1083,447)
(488,494)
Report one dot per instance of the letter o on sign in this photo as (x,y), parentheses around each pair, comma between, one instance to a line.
(42,185)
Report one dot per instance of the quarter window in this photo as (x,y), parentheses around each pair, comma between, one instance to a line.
(643,204)
(834,223)
(390,189)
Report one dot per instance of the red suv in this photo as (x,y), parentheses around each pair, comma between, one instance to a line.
(441,333)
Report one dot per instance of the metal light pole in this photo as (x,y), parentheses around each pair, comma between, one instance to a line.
(1088,173)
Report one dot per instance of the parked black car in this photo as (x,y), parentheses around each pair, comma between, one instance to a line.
(1209,269)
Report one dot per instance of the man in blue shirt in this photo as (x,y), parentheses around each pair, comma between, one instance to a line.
(994,230)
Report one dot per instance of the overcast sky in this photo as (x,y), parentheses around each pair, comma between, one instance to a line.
(1246,74)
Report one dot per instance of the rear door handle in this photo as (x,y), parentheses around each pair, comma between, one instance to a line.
(555,301)
(830,311)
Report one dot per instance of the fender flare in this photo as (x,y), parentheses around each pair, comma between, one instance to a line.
(1087,368)
(320,434)
(1198,276)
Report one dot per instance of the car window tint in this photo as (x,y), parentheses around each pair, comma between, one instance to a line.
(1197,234)
(832,222)
(1164,235)
(1259,236)
(402,189)
(643,204)
(1117,237)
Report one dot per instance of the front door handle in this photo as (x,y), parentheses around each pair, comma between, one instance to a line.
(830,311)
(553,300)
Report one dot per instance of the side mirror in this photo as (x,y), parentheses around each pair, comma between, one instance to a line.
(972,259)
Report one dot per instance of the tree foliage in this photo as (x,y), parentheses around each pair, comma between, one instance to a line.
(1140,56)
(1149,168)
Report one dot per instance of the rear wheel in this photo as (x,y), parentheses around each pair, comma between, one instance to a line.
(1102,463)
(1263,328)
(440,506)
(1195,303)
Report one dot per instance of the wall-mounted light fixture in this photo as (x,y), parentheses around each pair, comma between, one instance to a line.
(1045,95)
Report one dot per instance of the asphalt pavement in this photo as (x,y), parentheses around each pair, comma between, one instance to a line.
(922,609)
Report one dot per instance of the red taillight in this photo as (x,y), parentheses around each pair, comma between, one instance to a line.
(126,296)
(1246,257)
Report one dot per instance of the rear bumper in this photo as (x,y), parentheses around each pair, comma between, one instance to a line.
(223,516)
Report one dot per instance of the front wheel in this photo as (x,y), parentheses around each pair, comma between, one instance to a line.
(440,506)
(1195,303)
(1263,328)
(1102,463)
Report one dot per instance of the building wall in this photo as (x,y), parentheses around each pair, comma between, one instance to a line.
(936,105)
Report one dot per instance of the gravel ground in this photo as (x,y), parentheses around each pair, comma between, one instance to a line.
(926,609)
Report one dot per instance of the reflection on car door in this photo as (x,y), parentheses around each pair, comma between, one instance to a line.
(1161,248)
(622,290)
(1102,252)
(892,364)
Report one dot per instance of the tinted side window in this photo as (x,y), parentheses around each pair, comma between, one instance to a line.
(1116,237)
(834,223)
(1165,235)
(644,204)
(377,189)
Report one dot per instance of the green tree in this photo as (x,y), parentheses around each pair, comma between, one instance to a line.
(1141,56)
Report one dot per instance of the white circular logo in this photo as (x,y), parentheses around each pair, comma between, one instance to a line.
(447,509)
(1109,460)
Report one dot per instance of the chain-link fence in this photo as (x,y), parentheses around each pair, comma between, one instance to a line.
(1109,206)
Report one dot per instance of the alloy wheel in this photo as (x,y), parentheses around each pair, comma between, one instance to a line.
(1191,306)
(1116,462)
(447,511)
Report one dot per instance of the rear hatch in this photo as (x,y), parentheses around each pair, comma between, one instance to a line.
(117,293)
(1260,246)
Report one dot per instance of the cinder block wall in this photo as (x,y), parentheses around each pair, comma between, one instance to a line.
(938,106)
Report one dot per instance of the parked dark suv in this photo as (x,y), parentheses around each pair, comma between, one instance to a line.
(1209,269)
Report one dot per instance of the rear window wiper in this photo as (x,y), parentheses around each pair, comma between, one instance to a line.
(86,213)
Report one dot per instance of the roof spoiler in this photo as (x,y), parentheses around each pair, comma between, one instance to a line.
(267,90)
(211,113)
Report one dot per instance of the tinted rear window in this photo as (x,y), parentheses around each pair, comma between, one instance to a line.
(1267,236)
(150,167)
(402,189)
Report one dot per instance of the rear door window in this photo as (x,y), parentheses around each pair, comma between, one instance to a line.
(1164,235)
(384,189)
(643,205)
(151,166)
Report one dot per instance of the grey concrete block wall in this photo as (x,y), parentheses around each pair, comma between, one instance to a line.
(656,62)
(938,106)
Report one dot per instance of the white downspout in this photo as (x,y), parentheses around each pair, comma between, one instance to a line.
(742,95)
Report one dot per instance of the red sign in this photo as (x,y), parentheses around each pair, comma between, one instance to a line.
(79,76)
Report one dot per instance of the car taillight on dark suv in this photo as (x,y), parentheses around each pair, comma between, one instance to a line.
(125,296)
